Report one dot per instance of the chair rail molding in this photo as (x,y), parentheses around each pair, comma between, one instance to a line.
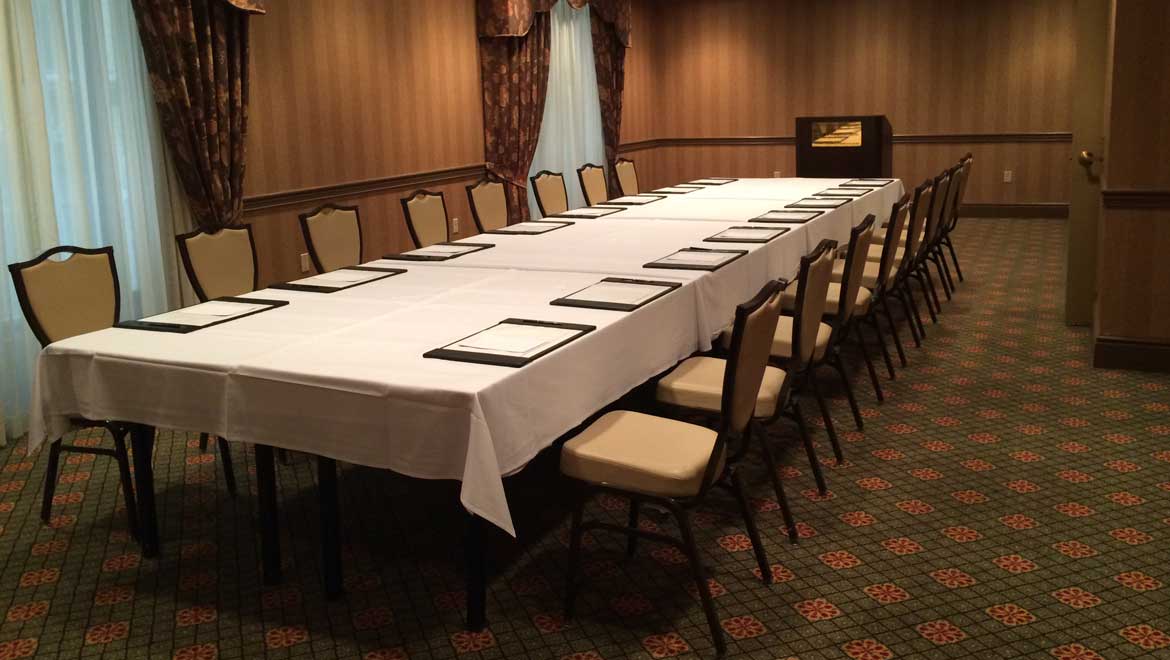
(266,201)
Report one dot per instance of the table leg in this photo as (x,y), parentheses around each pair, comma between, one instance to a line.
(330,526)
(269,515)
(142,440)
(476,550)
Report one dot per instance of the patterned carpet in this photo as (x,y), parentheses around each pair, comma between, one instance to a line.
(1006,501)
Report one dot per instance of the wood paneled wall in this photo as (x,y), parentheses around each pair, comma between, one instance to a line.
(738,68)
(348,91)
(1133,272)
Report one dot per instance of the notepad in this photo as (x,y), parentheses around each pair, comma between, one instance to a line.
(747,234)
(587,212)
(442,250)
(697,259)
(439,252)
(818,203)
(677,190)
(204,314)
(844,192)
(714,181)
(791,216)
(530,227)
(866,183)
(511,342)
(625,293)
(634,200)
(339,278)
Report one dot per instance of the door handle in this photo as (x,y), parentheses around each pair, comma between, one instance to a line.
(1087,158)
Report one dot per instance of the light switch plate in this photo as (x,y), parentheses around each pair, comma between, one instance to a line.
(1007,176)
(304,262)
(455,225)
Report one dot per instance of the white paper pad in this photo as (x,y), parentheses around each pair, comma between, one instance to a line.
(793,216)
(710,182)
(444,250)
(530,227)
(698,258)
(825,203)
(750,233)
(636,200)
(514,339)
(869,183)
(623,293)
(205,313)
(340,278)
(589,211)
(677,189)
(852,192)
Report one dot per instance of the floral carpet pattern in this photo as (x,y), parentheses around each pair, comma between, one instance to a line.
(1007,500)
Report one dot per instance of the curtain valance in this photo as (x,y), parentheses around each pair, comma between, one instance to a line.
(513,18)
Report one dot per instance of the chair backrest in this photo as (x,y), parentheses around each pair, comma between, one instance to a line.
(898,216)
(855,259)
(752,334)
(221,263)
(942,184)
(426,218)
(489,203)
(333,235)
(551,197)
(919,210)
(627,176)
(816,272)
(62,299)
(964,174)
(592,178)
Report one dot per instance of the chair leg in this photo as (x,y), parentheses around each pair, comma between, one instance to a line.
(123,458)
(203,437)
(877,387)
(825,414)
(752,530)
(692,550)
(925,269)
(907,296)
(575,532)
(632,542)
(778,487)
(944,274)
(225,457)
(51,480)
(813,462)
(911,321)
(838,364)
(954,258)
(877,330)
(894,330)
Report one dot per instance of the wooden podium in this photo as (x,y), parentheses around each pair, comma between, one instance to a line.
(844,147)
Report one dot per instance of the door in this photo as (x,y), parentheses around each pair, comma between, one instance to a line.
(1088,146)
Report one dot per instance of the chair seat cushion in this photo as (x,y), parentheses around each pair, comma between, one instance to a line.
(698,383)
(868,278)
(641,453)
(782,342)
(832,299)
(875,253)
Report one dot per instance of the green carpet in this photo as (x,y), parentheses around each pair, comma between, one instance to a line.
(1007,500)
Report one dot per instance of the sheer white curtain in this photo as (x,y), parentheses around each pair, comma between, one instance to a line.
(570,132)
(81,161)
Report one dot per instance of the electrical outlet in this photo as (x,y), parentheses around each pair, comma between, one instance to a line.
(455,225)
(304,262)
(1007,176)
(775,174)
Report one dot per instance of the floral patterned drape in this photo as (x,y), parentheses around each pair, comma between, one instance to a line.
(609,58)
(197,56)
(515,79)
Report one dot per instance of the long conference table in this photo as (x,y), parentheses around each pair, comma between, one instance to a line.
(342,374)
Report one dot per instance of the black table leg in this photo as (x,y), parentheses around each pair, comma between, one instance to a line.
(330,526)
(476,549)
(269,515)
(142,440)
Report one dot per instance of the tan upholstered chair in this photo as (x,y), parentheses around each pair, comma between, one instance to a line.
(592,178)
(62,299)
(674,464)
(489,203)
(221,263)
(627,176)
(551,197)
(333,235)
(964,175)
(426,218)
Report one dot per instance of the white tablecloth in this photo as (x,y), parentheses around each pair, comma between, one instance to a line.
(342,374)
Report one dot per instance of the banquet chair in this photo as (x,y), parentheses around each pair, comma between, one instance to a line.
(62,299)
(928,252)
(551,196)
(627,176)
(695,386)
(674,464)
(220,264)
(333,236)
(489,203)
(426,218)
(592,179)
(915,259)
(844,301)
(965,173)
(800,342)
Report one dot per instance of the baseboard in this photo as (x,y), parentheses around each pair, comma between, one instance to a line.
(1119,353)
(1025,210)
